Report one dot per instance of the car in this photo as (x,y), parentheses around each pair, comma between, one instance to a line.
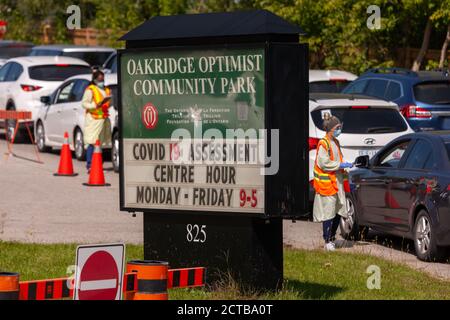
(423,97)
(24,80)
(95,56)
(62,112)
(404,190)
(12,49)
(110,66)
(368,125)
(329,81)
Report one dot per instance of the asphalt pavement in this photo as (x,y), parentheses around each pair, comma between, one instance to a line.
(36,207)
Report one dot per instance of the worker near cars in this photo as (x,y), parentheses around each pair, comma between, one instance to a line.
(97,125)
(330,176)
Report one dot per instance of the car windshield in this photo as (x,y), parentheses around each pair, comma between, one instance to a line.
(447,147)
(14,51)
(433,92)
(332,86)
(57,72)
(94,58)
(363,119)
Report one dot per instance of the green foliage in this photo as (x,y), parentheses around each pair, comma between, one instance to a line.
(336,30)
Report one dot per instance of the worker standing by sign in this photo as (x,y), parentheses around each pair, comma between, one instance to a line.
(329,179)
(97,126)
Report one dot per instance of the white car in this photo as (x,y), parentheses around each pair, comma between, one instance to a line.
(368,124)
(24,80)
(62,111)
(329,81)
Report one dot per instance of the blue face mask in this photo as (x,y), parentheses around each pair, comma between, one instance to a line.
(337,133)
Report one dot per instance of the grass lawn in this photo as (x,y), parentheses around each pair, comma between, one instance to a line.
(308,274)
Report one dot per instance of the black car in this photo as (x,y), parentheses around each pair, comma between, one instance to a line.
(404,190)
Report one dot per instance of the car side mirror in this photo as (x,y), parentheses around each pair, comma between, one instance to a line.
(362,162)
(46,100)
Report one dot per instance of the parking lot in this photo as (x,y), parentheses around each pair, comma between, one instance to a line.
(38,207)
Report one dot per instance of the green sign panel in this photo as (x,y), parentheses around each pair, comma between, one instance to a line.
(196,91)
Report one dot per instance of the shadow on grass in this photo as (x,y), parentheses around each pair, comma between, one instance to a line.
(314,291)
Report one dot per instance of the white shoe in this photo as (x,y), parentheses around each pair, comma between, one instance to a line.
(330,246)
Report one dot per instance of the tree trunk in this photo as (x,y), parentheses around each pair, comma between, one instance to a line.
(423,50)
(444,49)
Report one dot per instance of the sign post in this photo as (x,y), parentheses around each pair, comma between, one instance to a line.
(213,138)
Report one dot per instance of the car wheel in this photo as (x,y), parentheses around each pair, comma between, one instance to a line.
(425,240)
(350,230)
(115,152)
(80,151)
(40,138)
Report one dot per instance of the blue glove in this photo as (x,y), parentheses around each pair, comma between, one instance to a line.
(345,165)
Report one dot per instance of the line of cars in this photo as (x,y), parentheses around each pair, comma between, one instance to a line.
(396,128)
(50,81)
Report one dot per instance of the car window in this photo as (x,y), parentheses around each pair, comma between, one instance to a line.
(114,65)
(45,52)
(64,93)
(14,72)
(13,51)
(78,90)
(114,96)
(376,88)
(332,86)
(393,92)
(94,58)
(421,153)
(433,92)
(356,87)
(364,120)
(4,71)
(391,158)
(57,72)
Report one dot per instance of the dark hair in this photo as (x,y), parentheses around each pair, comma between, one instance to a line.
(95,74)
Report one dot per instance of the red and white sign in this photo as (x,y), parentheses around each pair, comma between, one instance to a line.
(99,272)
(150,116)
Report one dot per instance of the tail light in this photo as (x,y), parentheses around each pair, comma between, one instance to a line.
(359,107)
(313,142)
(62,65)
(412,111)
(29,88)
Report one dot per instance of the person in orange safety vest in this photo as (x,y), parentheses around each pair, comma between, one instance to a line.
(329,180)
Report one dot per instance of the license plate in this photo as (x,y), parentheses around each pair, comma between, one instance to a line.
(367,152)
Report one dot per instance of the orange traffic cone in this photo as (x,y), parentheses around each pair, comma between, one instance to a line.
(97,177)
(65,162)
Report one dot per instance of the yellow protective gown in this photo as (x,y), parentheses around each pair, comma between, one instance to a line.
(326,207)
(95,128)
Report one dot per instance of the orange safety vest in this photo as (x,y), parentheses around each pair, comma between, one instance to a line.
(102,111)
(325,182)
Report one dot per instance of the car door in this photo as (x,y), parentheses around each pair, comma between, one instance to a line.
(72,111)
(375,197)
(54,120)
(3,84)
(406,182)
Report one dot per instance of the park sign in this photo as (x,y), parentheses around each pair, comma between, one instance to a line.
(193,129)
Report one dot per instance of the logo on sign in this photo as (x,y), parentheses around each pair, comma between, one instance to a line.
(370,141)
(150,116)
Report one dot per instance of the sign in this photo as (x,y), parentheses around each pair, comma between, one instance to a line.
(193,129)
(99,272)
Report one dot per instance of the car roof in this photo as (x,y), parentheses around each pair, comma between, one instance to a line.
(326,75)
(35,61)
(12,43)
(345,100)
(406,74)
(74,48)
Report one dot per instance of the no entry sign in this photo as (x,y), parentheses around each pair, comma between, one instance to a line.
(99,272)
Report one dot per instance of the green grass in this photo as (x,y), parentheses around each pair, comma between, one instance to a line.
(308,275)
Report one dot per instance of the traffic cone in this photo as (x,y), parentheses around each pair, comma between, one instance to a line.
(65,162)
(97,177)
